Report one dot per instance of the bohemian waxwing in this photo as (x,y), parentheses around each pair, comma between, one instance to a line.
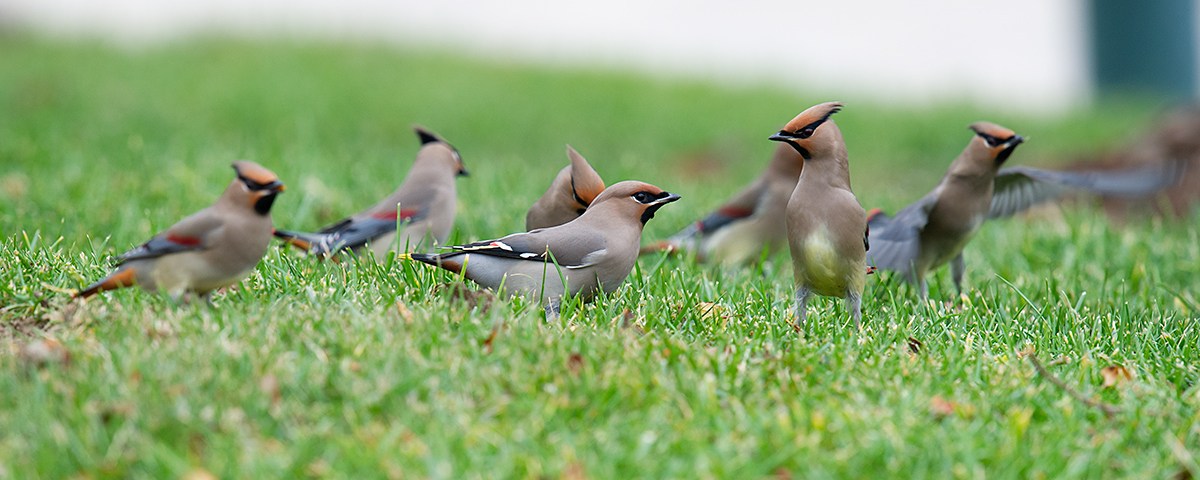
(933,230)
(569,195)
(591,253)
(826,226)
(215,247)
(424,205)
(749,223)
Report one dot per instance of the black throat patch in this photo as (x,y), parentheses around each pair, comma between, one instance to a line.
(263,205)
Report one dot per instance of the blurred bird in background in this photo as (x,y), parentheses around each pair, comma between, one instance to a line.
(569,195)
(749,223)
(423,209)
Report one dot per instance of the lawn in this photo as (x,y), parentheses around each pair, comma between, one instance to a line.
(366,370)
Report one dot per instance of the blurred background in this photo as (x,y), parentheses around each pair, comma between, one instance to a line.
(158,96)
(1028,55)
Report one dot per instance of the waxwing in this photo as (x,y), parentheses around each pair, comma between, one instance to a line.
(826,226)
(213,248)
(422,207)
(592,253)
(933,230)
(569,195)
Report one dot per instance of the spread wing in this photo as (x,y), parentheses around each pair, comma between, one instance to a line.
(1019,188)
(895,241)
(577,250)
(191,233)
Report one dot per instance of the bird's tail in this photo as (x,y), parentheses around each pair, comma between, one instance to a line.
(301,240)
(682,240)
(124,277)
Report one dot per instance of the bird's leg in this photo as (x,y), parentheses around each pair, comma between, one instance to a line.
(802,294)
(854,305)
(957,268)
(553,309)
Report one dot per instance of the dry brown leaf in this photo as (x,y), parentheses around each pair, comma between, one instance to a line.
(575,363)
(782,473)
(711,311)
(45,351)
(915,346)
(198,474)
(491,339)
(1115,375)
(941,407)
(574,471)
(269,386)
(404,312)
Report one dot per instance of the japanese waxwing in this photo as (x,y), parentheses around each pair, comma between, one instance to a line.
(213,248)
(423,207)
(582,257)
(826,226)
(749,223)
(933,230)
(569,195)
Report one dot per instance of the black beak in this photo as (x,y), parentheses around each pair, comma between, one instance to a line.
(782,136)
(671,197)
(276,186)
(462,172)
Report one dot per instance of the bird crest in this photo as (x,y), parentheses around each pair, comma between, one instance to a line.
(247,170)
(813,117)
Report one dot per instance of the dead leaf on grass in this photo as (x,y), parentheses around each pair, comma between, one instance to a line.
(44,351)
(1115,375)
(198,474)
(575,363)
(404,312)
(269,386)
(915,346)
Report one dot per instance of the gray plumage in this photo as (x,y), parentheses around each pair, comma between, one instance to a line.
(215,247)
(751,222)
(932,231)
(825,223)
(592,253)
(573,189)
(423,207)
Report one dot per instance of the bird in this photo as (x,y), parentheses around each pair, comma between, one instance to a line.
(569,195)
(933,231)
(423,207)
(826,226)
(215,247)
(583,257)
(752,221)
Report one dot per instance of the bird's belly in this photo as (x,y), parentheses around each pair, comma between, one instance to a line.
(822,269)
(739,242)
(189,271)
(944,246)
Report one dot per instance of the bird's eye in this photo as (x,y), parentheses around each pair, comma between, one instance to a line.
(807,132)
(643,197)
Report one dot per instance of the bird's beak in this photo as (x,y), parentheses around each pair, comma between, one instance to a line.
(671,197)
(462,172)
(276,186)
(782,136)
(1014,141)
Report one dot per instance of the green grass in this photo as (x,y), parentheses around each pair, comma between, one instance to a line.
(364,370)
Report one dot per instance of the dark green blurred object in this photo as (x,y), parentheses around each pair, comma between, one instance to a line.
(1144,47)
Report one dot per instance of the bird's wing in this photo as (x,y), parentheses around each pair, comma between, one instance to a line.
(191,233)
(569,249)
(1019,188)
(356,232)
(742,205)
(895,241)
